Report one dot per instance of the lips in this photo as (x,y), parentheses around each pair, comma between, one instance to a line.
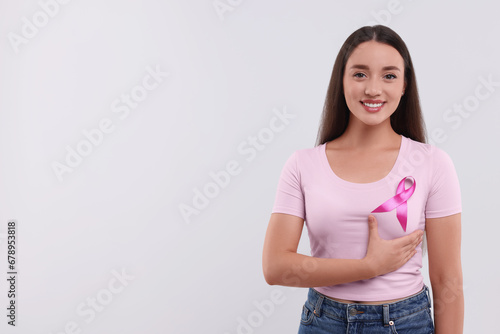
(372,105)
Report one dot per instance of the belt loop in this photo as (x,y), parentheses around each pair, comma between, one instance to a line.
(317,307)
(428,295)
(386,314)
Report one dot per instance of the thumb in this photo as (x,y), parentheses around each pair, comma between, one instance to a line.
(372,225)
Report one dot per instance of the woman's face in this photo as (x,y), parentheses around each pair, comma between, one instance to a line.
(373,82)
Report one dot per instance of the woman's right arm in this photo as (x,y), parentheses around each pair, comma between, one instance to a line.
(282,265)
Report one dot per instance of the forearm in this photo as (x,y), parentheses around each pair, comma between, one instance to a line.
(298,270)
(448,301)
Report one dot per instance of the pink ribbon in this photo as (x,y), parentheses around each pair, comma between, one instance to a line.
(398,202)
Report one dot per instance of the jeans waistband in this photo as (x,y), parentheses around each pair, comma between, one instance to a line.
(320,305)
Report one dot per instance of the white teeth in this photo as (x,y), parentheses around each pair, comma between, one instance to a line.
(373,105)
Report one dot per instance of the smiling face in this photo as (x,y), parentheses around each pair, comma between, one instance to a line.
(373,82)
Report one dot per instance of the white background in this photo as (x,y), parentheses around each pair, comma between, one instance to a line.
(119,208)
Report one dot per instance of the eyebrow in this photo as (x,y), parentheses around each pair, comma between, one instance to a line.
(385,68)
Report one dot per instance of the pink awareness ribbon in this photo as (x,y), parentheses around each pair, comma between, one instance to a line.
(398,202)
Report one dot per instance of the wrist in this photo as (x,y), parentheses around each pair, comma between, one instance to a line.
(370,270)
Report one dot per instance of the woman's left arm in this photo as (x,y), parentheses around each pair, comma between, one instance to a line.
(445,273)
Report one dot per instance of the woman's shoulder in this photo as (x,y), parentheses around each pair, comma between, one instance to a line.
(426,148)
(307,152)
(433,154)
(304,158)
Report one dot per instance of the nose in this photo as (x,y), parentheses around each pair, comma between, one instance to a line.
(373,87)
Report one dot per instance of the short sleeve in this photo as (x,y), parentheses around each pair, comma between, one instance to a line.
(289,196)
(444,197)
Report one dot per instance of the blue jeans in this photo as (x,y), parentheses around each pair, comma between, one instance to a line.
(322,315)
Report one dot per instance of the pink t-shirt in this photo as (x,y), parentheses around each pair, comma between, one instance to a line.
(336,211)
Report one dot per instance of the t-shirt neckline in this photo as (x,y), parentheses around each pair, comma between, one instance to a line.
(375,184)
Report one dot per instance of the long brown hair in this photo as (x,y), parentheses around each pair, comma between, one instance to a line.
(407,120)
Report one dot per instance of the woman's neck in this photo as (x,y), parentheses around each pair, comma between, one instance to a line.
(361,136)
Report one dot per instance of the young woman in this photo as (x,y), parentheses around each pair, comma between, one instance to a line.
(367,191)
